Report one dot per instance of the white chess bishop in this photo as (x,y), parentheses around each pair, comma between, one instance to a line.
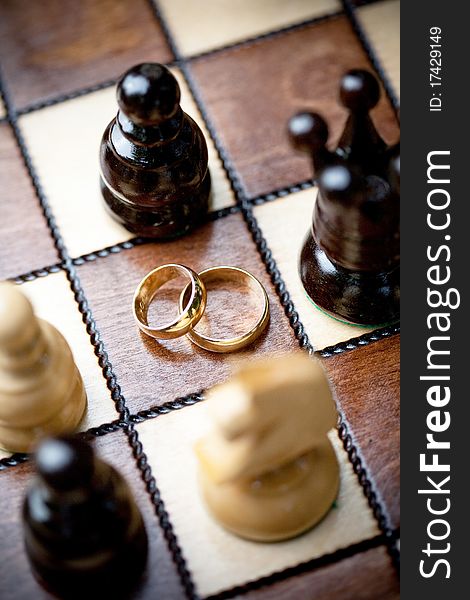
(268,470)
(41,389)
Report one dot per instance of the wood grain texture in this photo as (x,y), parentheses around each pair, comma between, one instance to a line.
(353,578)
(381,22)
(64,140)
(16,580)
(251,92)
(20,213)
(51,47)
(55,47)
(366,382)
(236,19)
(218,559)
(161,579)
(151,372)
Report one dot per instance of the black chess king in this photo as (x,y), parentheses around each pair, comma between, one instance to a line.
(350,260)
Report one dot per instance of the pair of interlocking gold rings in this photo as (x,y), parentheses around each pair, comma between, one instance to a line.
(192,304)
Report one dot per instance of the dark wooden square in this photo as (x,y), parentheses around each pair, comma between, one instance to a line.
(16,580)
(55,47)
(367,386)
(353,578)
(160,579)
(252,91)
(151,372)
(26,240)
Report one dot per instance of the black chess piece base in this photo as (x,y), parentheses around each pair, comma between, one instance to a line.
(353,296)
(93,581)
(165,221)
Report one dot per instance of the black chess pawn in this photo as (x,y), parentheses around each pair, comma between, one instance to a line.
(84,535)
(154,175)
(350,260)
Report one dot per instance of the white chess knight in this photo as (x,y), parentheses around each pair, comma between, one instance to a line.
(268,470)
(41,389)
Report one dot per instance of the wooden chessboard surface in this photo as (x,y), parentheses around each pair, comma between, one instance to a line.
(244,68)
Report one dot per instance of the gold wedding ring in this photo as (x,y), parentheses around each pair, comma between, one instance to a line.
(236,343)
(191,311)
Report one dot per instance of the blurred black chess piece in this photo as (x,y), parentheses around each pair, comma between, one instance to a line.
(154,175)
(350,261)
(84,535)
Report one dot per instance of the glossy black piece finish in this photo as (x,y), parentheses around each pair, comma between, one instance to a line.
(349,264)
(148,94)
(356,297)
(154,175)
(65,464)
(308,132)
(81,524)
(355,220)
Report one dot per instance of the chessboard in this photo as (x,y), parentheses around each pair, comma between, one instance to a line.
(244,68)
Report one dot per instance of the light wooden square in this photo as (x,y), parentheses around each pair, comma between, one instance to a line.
(381,22)
(64,143)
(53,300)
(217,559)
(285,223)
(201,26)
